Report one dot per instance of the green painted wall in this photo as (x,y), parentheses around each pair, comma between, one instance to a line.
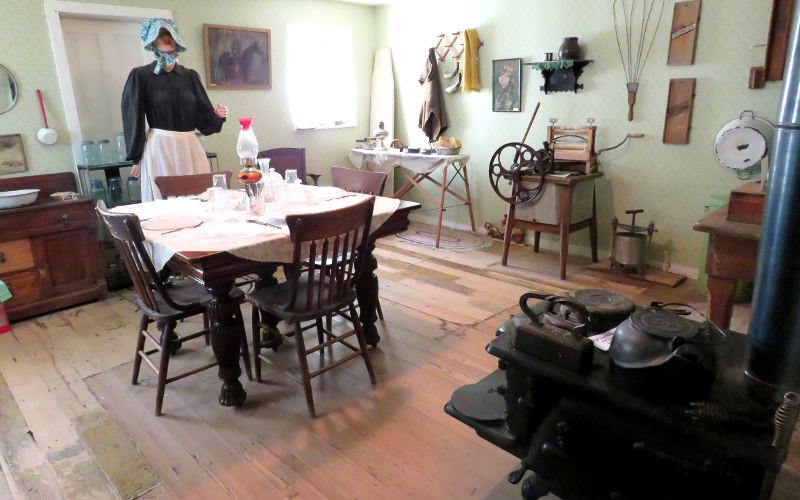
(26,50)
(672,183)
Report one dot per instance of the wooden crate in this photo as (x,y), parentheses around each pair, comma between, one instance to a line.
(747,203)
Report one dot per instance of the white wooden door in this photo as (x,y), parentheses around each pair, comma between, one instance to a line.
(101,54)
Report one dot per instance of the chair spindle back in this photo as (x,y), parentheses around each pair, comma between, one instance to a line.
(328,250)
(358,181)
(129,240)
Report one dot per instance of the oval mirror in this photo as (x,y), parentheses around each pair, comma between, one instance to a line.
(8,89)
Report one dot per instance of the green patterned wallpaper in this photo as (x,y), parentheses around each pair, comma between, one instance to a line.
(671,183)
(27,51)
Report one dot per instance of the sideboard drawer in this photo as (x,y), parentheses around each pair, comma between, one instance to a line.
(15,256)
(55,218)
(24,288)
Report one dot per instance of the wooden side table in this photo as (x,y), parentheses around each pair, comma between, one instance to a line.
(565,187)
(732,255)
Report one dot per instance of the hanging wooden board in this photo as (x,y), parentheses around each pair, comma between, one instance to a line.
(683,38)
(780,24)
(780,21)
(680,102)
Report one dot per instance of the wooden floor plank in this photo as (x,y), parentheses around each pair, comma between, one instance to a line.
(179,469)
(30,473)
(73,463)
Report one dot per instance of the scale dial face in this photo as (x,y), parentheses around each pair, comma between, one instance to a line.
(740,148)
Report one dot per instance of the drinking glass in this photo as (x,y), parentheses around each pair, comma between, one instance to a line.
(218,199)
(218,181)
(290,176)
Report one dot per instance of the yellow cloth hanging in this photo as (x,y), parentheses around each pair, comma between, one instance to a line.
(472,77)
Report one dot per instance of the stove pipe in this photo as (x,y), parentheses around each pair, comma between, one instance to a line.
(774,360)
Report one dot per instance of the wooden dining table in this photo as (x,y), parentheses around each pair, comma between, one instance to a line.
(217,271)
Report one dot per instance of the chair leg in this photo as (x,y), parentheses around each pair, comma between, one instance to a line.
(362,343)
(301,354)
(137,358)
(329,322)
(256,343)
(320,333)
(378,308)
(207,327)
(244,350)
(166,352)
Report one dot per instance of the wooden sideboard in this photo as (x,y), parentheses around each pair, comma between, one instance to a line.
(49,253)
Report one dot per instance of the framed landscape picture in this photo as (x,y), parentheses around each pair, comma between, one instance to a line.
(237,58)
(507,85)
(12,156)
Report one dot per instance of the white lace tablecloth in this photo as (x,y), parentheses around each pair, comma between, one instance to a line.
(416,162)
(231,231)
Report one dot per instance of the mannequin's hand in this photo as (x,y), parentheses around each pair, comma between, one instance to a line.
(135,170)
(221,111)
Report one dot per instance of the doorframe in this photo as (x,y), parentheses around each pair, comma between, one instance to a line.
(54,10)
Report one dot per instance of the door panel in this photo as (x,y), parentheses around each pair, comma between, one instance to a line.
(101,54)
(65,261)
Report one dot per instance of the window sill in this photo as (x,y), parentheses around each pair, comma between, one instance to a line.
(327,127)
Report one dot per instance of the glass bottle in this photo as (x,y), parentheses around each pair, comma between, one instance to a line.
(115,190)
(88,153)
(134,189)
(120,146)
(97,191)
(246,144)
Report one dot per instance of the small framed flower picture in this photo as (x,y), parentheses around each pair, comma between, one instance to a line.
(507,85)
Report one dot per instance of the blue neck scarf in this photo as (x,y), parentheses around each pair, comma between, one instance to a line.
(164,60)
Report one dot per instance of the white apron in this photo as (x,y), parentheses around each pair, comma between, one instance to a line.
(167,152)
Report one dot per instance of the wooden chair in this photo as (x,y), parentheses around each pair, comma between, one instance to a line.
(283,159)
(185,185)
(320,281)
(358,181)
(162,303)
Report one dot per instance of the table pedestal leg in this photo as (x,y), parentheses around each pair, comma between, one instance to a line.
(226,337)
(367,292)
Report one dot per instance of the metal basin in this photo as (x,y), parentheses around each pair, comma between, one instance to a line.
(17,198)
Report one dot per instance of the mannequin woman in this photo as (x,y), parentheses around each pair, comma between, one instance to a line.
(175,104)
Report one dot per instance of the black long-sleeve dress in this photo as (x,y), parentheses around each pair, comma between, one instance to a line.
(174,100)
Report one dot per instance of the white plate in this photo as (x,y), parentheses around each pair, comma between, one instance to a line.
(168,222)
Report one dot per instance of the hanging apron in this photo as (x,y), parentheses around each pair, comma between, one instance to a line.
(167,152)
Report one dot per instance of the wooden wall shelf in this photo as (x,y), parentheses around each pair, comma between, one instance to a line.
(561,79)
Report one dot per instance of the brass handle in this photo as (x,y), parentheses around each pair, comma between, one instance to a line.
(65,219)
(2,257)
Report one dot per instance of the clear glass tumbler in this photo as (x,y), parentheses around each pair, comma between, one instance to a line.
(290,176)
(218,181)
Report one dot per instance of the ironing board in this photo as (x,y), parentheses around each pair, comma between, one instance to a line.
(422,166)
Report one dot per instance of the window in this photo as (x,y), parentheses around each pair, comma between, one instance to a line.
(321,76)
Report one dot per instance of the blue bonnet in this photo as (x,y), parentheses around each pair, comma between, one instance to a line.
(150,29)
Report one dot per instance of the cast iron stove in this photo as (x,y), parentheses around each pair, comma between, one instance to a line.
(680,429)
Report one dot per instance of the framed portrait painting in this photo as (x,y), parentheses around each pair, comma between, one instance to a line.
(237,58)
(507,85)
(12,156)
